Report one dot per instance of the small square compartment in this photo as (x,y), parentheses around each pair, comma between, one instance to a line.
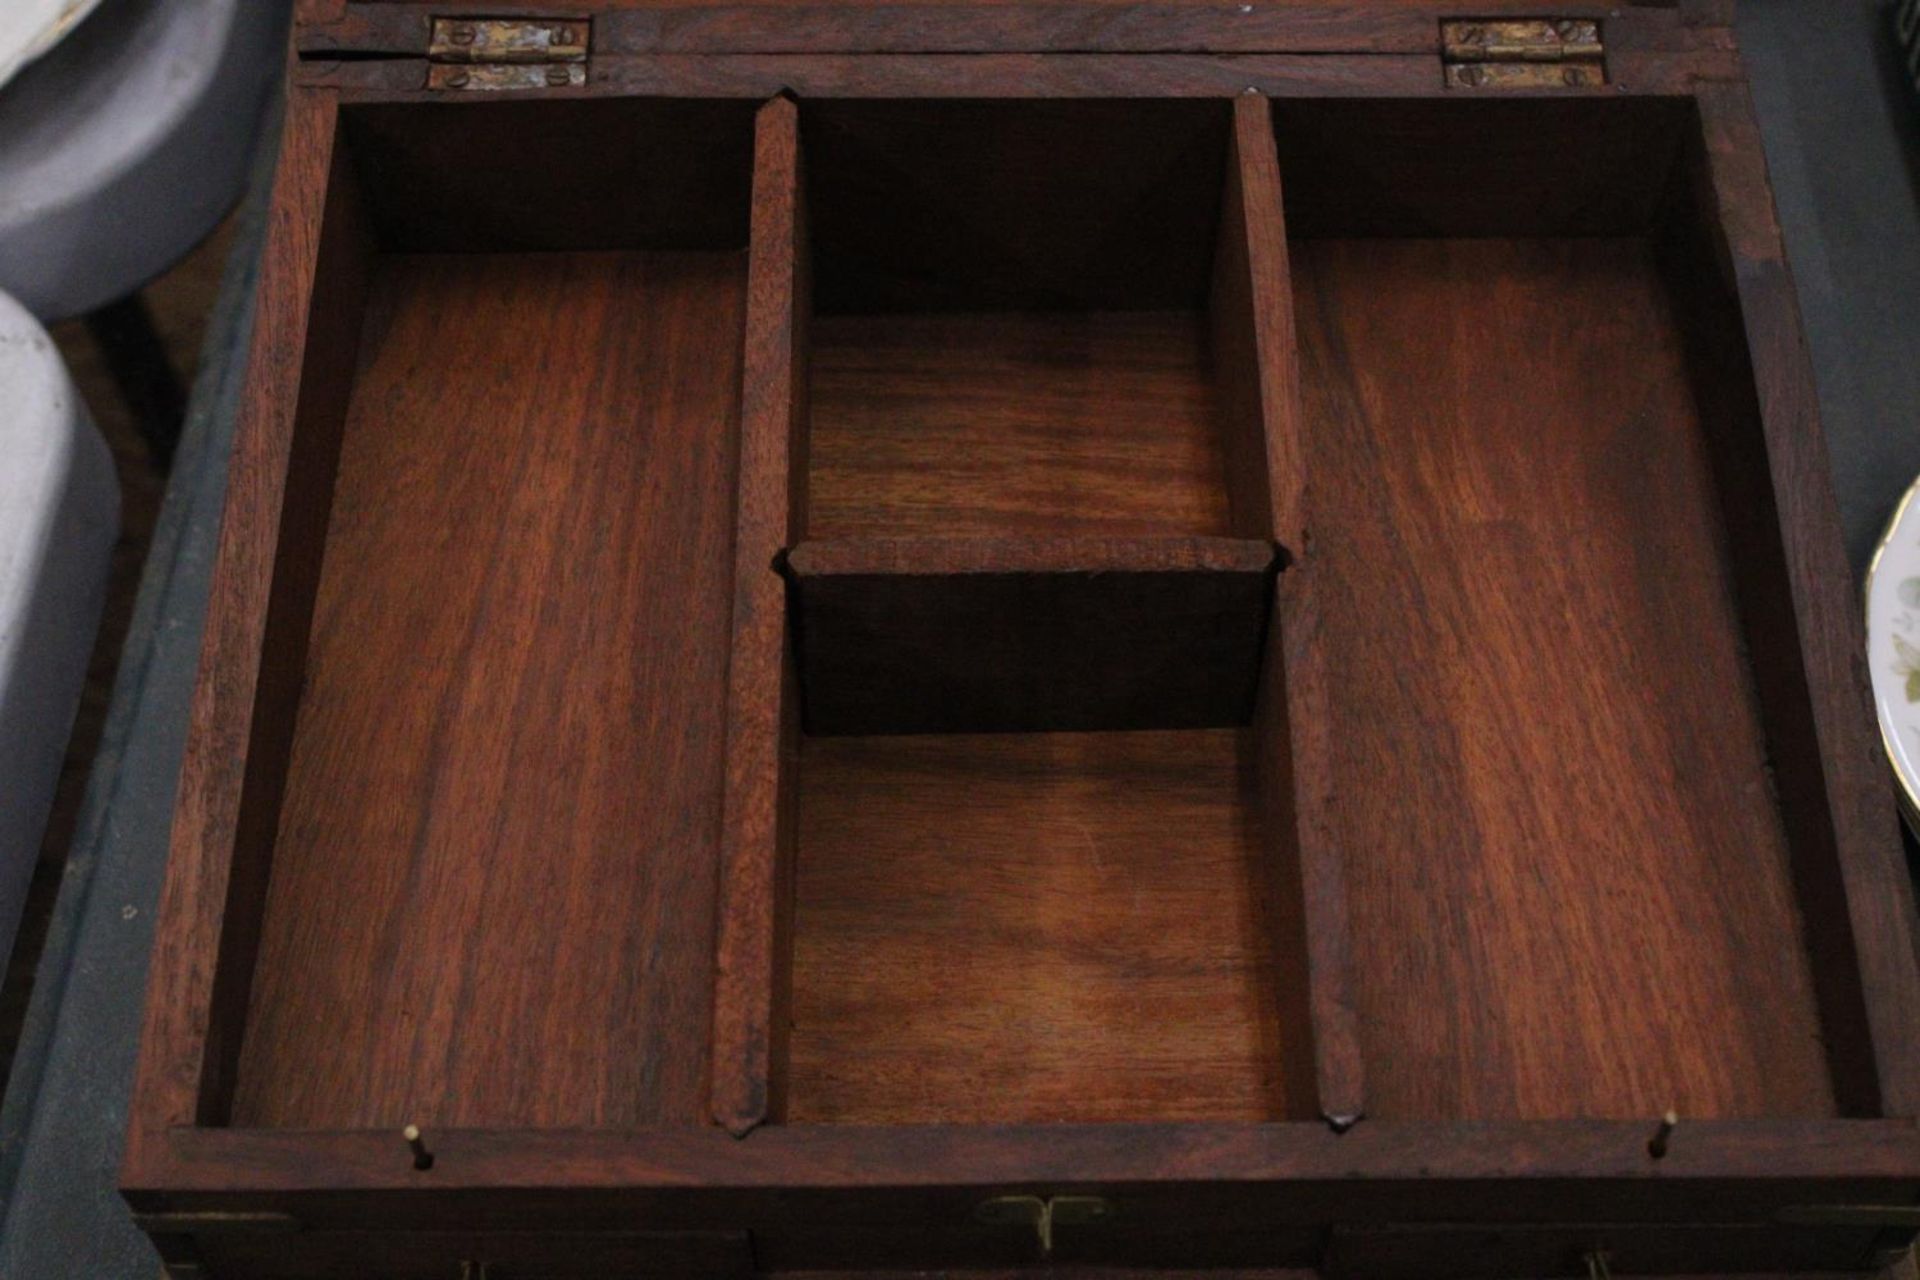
(1011,328)
(1039,928)
(1035,494)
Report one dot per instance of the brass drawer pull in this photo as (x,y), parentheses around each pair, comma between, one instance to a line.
(1041,1214)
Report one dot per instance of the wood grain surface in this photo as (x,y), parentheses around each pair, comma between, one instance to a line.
(1036,927)
(1569,883)
(957,425)
(492,893)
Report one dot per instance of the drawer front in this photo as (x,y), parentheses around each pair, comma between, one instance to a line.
(463,1255)
(1464,1252)
(968,1247)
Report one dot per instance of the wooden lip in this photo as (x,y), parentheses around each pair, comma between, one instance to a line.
(629,27)
(942,557)
(798,1157)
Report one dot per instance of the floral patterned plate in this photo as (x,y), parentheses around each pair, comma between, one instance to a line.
(1893,645)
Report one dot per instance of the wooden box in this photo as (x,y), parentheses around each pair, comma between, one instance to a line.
(1173,635)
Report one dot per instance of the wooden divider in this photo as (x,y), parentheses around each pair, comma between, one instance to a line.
(1291,720)
(762,697)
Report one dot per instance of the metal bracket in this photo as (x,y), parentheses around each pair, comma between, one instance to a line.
(508,53)
(1523,53)
(1042,1214)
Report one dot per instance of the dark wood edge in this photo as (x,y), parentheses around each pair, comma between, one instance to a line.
(1019,75)
(943,557)
(189,927)
(1193,26)
(325,364)
(1769,1159)
(1832,646)
(762,697)
(1255,360)
(1259,221)
(1297,775)
(1254,319)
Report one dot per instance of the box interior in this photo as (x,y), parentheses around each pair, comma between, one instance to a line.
(485,865)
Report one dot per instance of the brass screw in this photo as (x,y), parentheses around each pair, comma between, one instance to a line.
(563,35)
(462,35)
(458,80)
(558,76)
(422,1158)
(1657,1145)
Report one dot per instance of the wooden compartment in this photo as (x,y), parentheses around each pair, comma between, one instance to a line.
(1570,875)
(963,636)
(1010,330)
(1090,936)
(1024,377)
(482,838)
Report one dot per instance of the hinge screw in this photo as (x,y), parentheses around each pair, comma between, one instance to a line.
(422,1158)
(458,80)
(558,76)
(563,35)
(461,35)
(1663,1136)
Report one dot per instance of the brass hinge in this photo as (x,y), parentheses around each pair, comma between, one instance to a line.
(1523,53)
(1043,1214)
(508,53)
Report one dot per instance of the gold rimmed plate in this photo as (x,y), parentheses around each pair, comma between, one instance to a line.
(1893,646)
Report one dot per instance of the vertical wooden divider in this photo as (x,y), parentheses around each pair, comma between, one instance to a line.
(1256,360)
(1258,364)
(763,714)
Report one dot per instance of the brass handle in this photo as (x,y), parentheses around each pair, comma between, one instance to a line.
(1042,1213)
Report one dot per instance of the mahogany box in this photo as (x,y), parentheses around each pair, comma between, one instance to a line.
(905,636)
